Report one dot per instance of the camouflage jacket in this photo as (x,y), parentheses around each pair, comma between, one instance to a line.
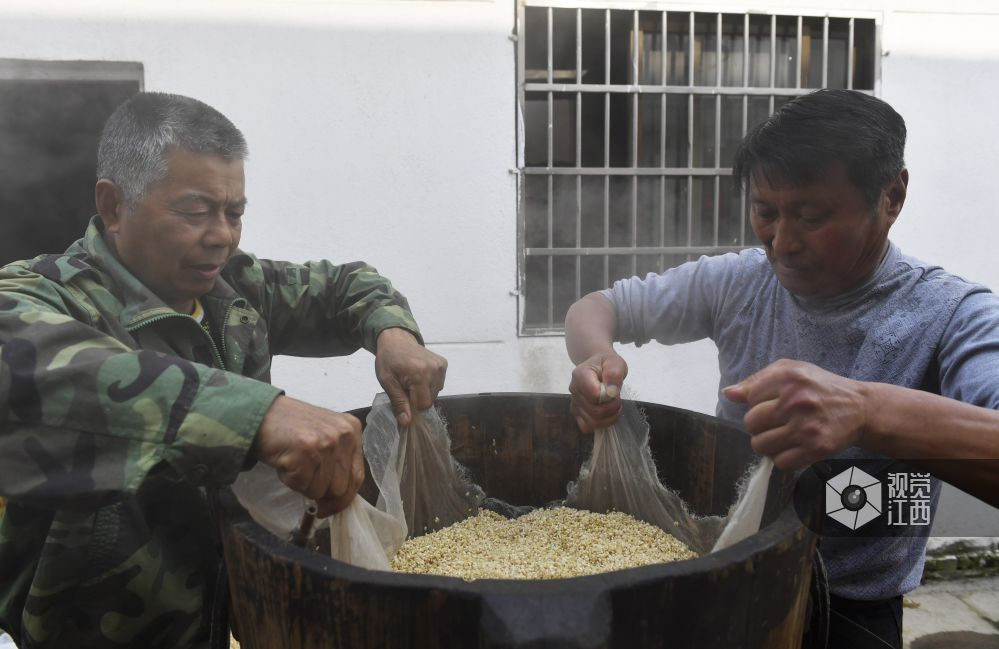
(116,412)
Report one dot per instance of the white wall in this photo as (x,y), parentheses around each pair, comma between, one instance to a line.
(940,74)
(381,131)
(385,131)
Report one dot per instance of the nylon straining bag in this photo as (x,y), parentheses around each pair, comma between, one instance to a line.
(420,487)
(747,516)
(359,535)
(620,475)
(270,502)
(419,481)
(363,535)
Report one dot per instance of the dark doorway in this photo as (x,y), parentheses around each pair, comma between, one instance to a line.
(51,116)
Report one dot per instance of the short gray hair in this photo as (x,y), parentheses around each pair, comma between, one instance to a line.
(134,143)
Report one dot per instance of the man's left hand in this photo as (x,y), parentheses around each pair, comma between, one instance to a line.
(800,414)
(411,374)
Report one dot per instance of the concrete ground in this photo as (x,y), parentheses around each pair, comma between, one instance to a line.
(953,614)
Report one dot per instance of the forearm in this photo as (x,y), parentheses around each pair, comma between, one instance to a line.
(325,309)
(956,441)
(100,420)
(590,327)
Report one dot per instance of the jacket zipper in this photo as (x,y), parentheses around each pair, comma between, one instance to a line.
(159,318)
(225,323)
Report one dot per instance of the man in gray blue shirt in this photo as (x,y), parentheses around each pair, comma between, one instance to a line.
(831,341)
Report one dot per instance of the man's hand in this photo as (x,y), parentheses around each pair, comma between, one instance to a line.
(800,414)
(411,375)
(607,368)
(316,452)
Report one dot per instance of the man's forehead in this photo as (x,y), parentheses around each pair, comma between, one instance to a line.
(198,167)
(210,199)
(764,179)
(201,179)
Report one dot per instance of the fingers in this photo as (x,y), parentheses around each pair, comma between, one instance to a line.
(357,470)
(423,378)
(736,393)
(761,386)
(613,370)
(410,374)
(334,501)
(336,470)
(762,417)
(771,442)
(779,377)
(799,413)
(419,396)
(585,383)
(592,413)
(316,452)
(787,452)
(788,445)
(437,385)
(400,402)
(334,462)
(591,418)
(608,369)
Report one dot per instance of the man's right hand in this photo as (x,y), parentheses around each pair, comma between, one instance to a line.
(590,413)
(316,452)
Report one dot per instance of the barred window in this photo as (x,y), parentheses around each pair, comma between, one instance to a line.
(629,118)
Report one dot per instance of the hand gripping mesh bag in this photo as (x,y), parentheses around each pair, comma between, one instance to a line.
(360,535)
(420,483)
(620,475)
(421,487)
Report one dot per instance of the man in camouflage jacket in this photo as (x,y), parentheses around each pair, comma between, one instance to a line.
(118,407)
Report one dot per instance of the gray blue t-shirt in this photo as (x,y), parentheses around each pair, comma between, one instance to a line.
(911,324)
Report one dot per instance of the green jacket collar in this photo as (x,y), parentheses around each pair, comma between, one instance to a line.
(139,304)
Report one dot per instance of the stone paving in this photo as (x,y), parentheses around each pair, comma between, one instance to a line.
(953,614)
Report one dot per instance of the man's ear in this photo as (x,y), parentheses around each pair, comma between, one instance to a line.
(895,195)
(110,202)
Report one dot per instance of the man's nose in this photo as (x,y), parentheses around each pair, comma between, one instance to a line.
(220,232)
(785,240)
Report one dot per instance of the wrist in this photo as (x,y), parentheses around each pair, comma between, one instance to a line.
(581,351)
(874,409)
(395,335)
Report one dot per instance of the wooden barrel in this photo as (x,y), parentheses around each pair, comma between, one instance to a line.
(524,449)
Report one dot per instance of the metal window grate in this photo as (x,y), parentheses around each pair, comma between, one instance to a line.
(629,118)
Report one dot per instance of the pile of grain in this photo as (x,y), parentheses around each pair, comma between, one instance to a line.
(545,544)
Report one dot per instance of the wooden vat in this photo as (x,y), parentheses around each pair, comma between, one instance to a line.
(524,448)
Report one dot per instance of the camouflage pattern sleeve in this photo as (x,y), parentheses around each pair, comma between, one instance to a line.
(84,418)
(320,308)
